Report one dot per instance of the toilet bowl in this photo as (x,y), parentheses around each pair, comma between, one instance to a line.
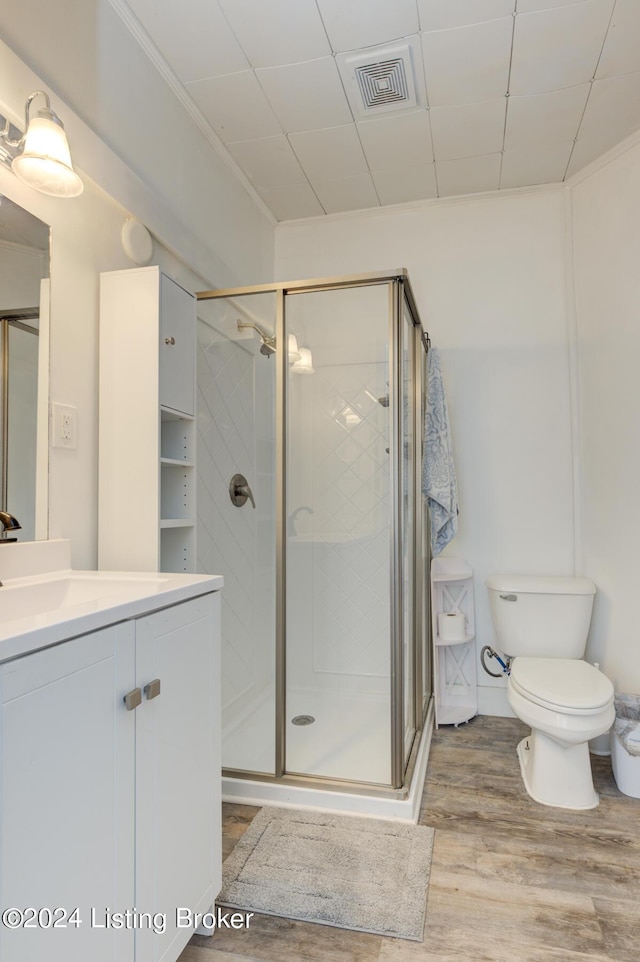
(566,702)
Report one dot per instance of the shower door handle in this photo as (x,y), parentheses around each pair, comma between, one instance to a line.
(240,492)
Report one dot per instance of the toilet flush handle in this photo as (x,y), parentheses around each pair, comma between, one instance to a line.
(509,597)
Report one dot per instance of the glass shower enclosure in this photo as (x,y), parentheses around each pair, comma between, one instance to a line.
(309,503)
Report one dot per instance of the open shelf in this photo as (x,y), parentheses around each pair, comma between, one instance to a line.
(175,463)
(177,523)
(454,661)
(437,640)
(450,569)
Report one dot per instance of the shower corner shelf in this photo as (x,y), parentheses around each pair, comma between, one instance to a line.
(147,422)
(455,682)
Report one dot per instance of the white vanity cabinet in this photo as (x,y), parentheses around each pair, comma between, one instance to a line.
(106,808)
(147,474)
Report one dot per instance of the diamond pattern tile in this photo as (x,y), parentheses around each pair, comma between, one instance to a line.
(349,549)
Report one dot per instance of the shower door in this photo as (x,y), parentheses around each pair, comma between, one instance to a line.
(236,435)
(313,392)
(338,514)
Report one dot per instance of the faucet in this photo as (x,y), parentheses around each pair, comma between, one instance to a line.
(292,519)
(9,523)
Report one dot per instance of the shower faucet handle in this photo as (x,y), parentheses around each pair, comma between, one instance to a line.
(240,492)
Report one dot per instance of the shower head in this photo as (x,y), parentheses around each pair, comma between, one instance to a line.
(268,346)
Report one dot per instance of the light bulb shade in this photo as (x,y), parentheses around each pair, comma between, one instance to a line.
(45,162)
(305,364)
(292,347)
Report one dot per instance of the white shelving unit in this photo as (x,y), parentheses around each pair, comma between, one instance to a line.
(147,474)
(455,678)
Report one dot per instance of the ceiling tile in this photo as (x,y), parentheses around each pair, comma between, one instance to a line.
(585,151)
(527,166)
(469,130)
(389,142)
(468,176)
(553,117)
(235,106)
(558,48)
(527,6)
(306,96)
(277,32)
(291,202)
(349,193)
(406,184)
(331,154)
(613,110)
(621,53)
(612,114)
(210,51)
(360,23)
(269,162)
(443,14)
(468,64)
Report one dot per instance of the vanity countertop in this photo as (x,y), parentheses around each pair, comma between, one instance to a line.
(40,610)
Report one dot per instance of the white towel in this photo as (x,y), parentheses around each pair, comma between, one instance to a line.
(439,484)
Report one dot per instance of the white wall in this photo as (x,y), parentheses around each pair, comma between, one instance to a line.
(192,203)
(606,241)
(488,274)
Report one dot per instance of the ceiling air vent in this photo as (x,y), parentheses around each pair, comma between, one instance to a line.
(379,79)
(382,83)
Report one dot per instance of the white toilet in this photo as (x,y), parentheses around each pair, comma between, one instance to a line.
(542,623)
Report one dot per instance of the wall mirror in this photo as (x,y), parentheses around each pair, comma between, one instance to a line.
(24,363)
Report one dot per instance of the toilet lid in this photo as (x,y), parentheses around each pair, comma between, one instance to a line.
(561,683)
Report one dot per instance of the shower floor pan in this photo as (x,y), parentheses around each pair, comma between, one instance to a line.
(349,740)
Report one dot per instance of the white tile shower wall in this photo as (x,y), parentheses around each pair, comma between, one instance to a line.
(236,435)
(338,575)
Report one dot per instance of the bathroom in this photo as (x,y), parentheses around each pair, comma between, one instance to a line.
(530,295)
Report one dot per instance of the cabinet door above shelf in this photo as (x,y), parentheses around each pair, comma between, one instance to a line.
(177,347)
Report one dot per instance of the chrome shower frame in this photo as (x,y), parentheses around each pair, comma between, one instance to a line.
(402,761)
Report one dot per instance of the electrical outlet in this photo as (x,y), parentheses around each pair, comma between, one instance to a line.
(64,426)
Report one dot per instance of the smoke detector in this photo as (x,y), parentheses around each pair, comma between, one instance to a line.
(381,79)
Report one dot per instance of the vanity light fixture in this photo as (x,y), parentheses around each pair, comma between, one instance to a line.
(40,157)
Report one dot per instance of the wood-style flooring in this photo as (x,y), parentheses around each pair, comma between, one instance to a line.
(511,881)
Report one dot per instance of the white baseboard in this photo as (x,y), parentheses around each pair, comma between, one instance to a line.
(493,701)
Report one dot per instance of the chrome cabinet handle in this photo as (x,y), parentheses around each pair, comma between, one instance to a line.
(169,340)
(132,699)
(239,491)
(152,689)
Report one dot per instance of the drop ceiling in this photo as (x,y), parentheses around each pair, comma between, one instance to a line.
(507,94)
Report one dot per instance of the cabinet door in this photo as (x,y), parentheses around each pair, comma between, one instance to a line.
(177,347)
(66,790)
(178,833)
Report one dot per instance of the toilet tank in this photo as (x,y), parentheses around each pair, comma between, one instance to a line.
(541,617)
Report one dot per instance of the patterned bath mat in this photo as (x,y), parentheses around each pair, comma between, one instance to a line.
(342,870)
